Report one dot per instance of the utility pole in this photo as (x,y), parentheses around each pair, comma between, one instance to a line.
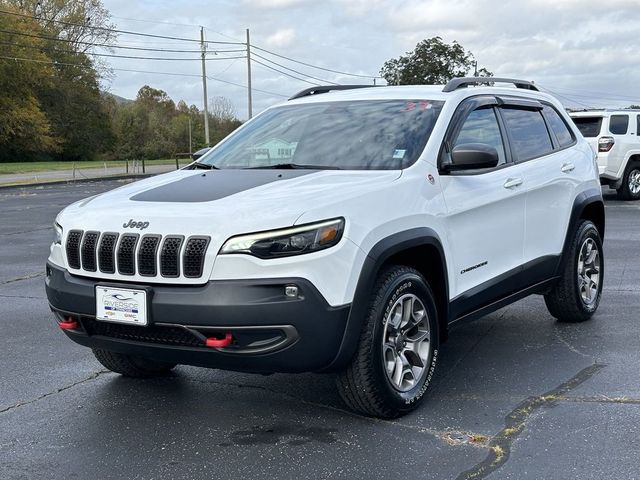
(249,76)
(190,142)
(203,48)
(475,68)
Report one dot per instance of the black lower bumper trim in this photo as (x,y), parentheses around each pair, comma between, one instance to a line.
(271,332)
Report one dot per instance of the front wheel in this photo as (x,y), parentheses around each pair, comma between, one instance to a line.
(398,347)
(630,188)
(577,295)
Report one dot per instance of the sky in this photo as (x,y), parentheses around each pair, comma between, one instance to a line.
(586,52)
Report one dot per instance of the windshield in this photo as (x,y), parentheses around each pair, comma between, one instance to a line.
(588,126)
(358,135)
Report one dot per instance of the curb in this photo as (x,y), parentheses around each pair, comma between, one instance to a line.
(83,180)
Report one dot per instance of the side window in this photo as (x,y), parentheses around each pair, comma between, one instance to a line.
(528,132)
(618,124)
(557,125)
(638,125)
(481,126)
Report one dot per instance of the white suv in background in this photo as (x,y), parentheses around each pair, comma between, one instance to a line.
(613,134)
(343,231)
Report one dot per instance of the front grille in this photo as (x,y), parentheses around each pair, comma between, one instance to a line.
(194,256)
(147,255)
(88,251)
(170,256)
(73,248)
(126,254)
(129,254)
(107,252)
(175,336)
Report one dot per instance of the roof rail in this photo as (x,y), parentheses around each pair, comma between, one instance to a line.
(464,82)
(324,89)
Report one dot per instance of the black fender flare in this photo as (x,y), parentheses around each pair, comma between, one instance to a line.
(584,200)
(376,258)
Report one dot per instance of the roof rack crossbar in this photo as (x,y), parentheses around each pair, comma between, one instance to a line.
(324,89)
(464,82)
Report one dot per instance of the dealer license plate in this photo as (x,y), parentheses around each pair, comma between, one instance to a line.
(121,305)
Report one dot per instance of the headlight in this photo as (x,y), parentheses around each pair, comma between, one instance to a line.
(289,241)
(57,232)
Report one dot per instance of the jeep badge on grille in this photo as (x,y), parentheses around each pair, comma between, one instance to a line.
(138,225)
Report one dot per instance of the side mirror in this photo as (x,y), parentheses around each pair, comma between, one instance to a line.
(469,156)
(199,153)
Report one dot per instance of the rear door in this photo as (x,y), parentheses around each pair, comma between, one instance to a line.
(485,221)
(542,142)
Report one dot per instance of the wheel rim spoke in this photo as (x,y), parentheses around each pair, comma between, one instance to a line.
(589,271)
(406,342)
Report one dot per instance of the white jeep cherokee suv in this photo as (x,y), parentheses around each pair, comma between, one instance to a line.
(613,134)
(343,231)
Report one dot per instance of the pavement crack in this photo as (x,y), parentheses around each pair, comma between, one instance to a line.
(21,296)
(435,433)
(26,231)
(558,334)
(54,392)
(516,420)
(29,276)
(601,399)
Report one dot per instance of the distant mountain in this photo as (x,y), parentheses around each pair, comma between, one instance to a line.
(119,100)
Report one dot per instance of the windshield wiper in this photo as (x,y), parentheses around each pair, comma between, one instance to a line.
(294,166)
(203,166)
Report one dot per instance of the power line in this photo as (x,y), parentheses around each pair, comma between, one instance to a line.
(566,98)
(215,79)
(592,94)
(292,70)
(314,66)
(123,32)
(284,73)
(109,55)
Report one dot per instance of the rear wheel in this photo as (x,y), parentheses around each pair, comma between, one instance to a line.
(630,188)
(398,348)
(130,366)
(577,295)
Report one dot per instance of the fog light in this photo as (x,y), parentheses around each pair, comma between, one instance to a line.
(291,291)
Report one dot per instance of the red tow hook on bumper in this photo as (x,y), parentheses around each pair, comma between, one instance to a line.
(68,324)
(220,342)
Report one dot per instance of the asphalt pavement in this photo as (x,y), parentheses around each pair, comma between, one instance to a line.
(517,395)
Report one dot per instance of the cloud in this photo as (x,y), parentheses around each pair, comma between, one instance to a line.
(275,4)
(281,38)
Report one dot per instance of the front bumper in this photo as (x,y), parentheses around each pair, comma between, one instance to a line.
(271,332)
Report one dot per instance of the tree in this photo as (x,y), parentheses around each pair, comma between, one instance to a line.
(25,129)
(432,62)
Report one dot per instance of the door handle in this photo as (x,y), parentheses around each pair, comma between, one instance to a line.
(512,183)
(567,167)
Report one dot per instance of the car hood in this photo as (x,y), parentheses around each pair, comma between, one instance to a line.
(221,202)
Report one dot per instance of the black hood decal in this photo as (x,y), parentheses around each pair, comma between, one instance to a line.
(215,184)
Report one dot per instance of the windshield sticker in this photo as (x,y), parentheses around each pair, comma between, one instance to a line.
(399,154)
(422,105)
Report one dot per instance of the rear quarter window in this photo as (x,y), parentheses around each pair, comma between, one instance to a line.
(528,132)
(589,126)
(558,126)
(618,124)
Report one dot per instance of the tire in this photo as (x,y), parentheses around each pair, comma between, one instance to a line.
(575,298)
(630,188)
(373,384)
(129,366)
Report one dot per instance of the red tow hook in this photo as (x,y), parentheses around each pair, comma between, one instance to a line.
(220,342)
(68,324)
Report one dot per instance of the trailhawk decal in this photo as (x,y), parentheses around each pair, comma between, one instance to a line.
(216,184)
